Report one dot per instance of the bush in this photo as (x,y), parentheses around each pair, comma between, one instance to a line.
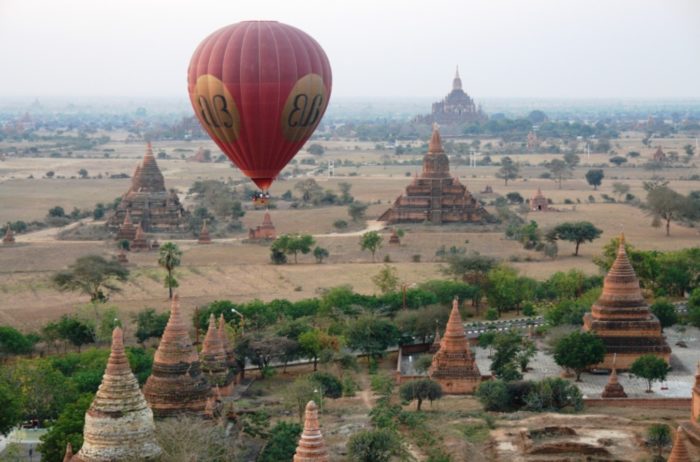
(282,443)
(378,445)
(331,386)
(553,394)
(491,314)
(420,390)
(665,311)
(493,395)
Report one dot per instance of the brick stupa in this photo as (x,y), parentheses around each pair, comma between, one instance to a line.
(214,361)
(139,243)
(614,389)
(622,319)
(119,424)
(453,366)
(311,447)
(127,230)
(9,237)
(148,201)
(539,203)
(228,347)
(435,196)
(266,231)
(176,386)
(687,441)
(435,346)
(204,237)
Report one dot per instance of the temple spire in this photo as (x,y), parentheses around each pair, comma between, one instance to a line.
(435,145)
(311,447)
(679,453)
(457,81)
(613,389)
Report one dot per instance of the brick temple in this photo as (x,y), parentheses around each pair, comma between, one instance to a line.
(453,366)
(622,319)
(456,108)
(176,386)
(311,447)
(118,425)
(539,203)
(266,231)
(149,203)
(435,196)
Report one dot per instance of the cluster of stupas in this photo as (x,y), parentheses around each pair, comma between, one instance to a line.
(119,424)
(453,366)
(622,319)
(435,196)
(539,203)
(148,203)
(266,231)
(9,237)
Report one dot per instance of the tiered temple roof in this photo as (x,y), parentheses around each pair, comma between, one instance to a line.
(311,447)
(614,389)
(148,202)
(435,195)
(204,237)
(9,237)
(456,108)
(214,360)
(622,319)
(265,231)
(118,425)
(453,366)
(176,386)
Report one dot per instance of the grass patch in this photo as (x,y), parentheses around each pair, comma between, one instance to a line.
(474,433)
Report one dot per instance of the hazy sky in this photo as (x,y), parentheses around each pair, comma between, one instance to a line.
(517,48)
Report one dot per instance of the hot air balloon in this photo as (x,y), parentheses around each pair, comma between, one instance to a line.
(259,89)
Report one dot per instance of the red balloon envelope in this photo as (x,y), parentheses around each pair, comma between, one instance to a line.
(259,89)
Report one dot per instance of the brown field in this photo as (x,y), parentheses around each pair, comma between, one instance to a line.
(238,271)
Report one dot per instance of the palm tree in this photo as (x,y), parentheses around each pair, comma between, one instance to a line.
(169,258)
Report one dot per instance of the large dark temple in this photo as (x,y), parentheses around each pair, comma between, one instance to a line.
(436,196)
(456,108)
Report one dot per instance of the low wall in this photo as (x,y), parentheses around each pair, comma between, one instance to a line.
(642,403)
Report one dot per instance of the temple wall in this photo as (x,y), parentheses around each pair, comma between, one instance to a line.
(624,360)
(458,386)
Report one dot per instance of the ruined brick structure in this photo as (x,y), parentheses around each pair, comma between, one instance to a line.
(176,386)
(456,108)
(139,243)
(214,360)
(9,237)
(118,425)
(614,389)
(127,230)
(686,445)
(622,319)
(539,203)
(204,237)
(659,155)
(435,196)
(228,346)
(266,231)
(149,203)
(453,366)
(311,447)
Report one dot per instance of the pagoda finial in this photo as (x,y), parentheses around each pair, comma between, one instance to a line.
(679,453)
(435,145)
(457,82)
(69,453)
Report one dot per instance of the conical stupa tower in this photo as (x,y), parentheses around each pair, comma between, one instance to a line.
(622,319)
(140,243)
(214,363)
(435,163)
(435,346)
(679,453)
(453,366)
(176,386)
(127,231)
(9,237)
(119,424)
(613,389)
(228,347)
(311,447)
(204,237)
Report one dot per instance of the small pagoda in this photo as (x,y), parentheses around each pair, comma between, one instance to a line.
(204,237)
(127,230)
(659,155)
(679,452)
(436,196)
(614,389)
(176,386)
(139,243)
(686,445)
(228,347)
(311,446)
(266,231)
(9,237)
(622,319)
(394,238)
(119,424)
(214,360)
(453,366)
(435,346)
(539,203)
(148,201)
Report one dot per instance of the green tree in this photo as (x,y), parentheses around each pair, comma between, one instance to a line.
(419,390)
(315,149)
(578,351)
(386,280)
(320,253)
(357,210)
(487,339)
(83,173)
(505,290)
(509,170)
(494,396)
(13,342)
(75,331)
(309,190)
(293,244)
(659,437)
(169,258)
(149,324)
(473,269)
(572,159)
(45,390)
(507,348)
(617,160)
(282,442)
(594,177)
(559,170)
(378,445)
(299,393)
(694,307)
(577,232)
(620,189)
(665,311)
(663,203)
(372,241)
(68,428)
(11,405)
(371,335)
(313,342)
(345,197)
(650,368)
(92,275)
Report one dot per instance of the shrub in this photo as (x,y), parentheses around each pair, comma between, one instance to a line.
(493,395)
(491,314)
(378,445)
(331,386)
(282,443)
